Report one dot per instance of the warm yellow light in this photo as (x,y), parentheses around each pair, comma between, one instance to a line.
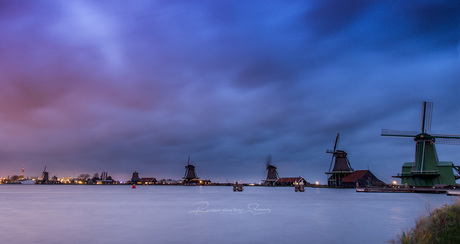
(317,183)
(394,182)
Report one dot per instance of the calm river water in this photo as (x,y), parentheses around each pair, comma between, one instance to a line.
(209,214)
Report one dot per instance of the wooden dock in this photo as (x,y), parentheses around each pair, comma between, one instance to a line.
(453,192)
(403,190)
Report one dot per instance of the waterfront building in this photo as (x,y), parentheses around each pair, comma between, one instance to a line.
(342,167)
(148,181)
(289,181)
(135,178)
(272,174)
(361,178)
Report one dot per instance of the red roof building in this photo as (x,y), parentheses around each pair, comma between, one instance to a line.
(361,178)
(148,181)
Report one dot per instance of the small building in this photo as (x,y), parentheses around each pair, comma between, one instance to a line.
(196,182)
(104,182)
(361,178)
(148,181)
(289,181)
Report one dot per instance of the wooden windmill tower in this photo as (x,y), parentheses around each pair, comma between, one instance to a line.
(190,174)
(272,174)
(45,177)
(341,167)
(427,170)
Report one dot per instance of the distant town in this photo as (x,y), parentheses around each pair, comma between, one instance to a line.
(102,179)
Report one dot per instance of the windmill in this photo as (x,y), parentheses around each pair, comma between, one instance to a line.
(45,177)
(190,174)
(341,167)
(272,174)
(427,170)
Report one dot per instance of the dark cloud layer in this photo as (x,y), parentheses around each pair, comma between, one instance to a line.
(90,86)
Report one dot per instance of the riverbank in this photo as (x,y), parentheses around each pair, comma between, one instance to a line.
(441,226)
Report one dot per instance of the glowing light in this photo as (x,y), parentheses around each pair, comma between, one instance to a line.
(317,183)
(394,182)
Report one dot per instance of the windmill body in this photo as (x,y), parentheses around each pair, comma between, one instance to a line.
(342,167)
(426,170)
(190,174)
(45,177)
(272,174)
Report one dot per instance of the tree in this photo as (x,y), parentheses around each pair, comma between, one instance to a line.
(14,178)
(95,177)
(84,177)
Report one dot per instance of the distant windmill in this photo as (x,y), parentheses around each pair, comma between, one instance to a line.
(427,170)
(341,167)
(272,174)
(190,174)
(45,177)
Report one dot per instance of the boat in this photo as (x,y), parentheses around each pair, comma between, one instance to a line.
(26,182)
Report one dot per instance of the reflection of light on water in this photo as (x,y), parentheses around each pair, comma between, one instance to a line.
(396,213)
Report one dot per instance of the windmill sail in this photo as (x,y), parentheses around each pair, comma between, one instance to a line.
(427,114)
(387,132)
(333,151)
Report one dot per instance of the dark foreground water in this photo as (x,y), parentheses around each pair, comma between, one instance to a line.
(210,214)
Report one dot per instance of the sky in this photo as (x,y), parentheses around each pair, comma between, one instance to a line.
(123,86)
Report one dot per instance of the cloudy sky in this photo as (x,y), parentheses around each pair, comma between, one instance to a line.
(118,86)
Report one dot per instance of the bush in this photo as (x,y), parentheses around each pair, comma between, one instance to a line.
(441,226)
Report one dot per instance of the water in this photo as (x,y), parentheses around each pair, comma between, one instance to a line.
(210,214)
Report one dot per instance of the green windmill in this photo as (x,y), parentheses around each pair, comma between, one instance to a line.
(427,170)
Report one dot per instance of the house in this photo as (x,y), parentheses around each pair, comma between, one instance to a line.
(148,181)
(104,182)
(361,178)
(289,181)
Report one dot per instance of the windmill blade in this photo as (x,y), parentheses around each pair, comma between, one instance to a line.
(332,160)
(427,114)
(387,132)
(428,107)
(268,160)
(349,165)
(447,139)
(336,142)
(333,151)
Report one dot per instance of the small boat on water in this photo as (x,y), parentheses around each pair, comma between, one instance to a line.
(299,186)
(26,182)
(237,186)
